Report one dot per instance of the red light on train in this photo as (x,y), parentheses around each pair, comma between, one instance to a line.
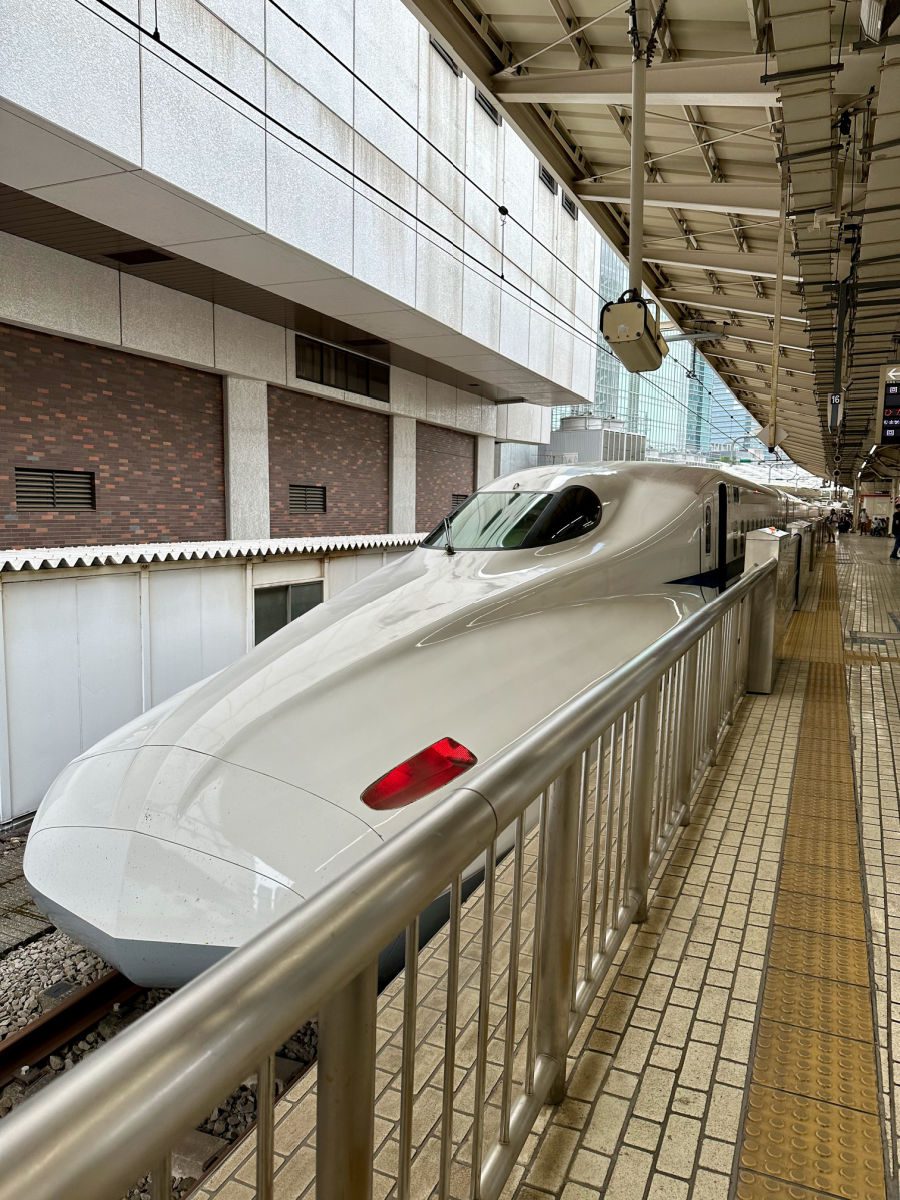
(425,772)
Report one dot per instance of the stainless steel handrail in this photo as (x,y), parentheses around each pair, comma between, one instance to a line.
(100,1127)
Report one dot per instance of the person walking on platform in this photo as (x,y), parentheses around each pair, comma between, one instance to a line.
(830,522)
(863,521)
(895,530)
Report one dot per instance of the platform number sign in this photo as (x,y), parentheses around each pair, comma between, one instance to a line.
(887,428)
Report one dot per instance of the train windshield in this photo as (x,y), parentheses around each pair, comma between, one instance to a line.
(518,520)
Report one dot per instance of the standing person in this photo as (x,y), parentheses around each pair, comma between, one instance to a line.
(830,522)
(863,521)
(895,530)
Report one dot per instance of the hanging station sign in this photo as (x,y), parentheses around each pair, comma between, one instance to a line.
(887,415)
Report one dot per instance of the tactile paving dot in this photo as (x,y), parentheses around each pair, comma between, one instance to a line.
(800,877)
(817,954)
(820,1065)
(835,917)
(839,1008)
(826,1147)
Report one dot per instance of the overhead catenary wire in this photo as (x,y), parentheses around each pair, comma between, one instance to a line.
(343,173)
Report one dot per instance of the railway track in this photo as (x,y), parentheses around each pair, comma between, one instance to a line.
(63,1023)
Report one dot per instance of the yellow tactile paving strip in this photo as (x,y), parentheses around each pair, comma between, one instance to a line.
(812,1125)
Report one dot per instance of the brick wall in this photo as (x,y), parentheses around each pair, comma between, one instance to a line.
(445,465)
(344,449)
(150,431)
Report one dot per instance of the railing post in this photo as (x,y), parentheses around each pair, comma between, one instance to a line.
(345,1105)
(715,690)
(761,647)
(557,950)
(265,1128)
(686,725)
(643,778)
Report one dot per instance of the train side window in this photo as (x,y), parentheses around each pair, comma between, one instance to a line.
(737,495)
(707,530)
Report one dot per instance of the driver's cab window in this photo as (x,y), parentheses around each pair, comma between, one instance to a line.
(573,512)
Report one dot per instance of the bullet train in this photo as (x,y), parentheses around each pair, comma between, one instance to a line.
(180,836)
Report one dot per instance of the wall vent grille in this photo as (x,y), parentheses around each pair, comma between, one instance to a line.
(305,498)
(482,101)
(37,488)
(547,179)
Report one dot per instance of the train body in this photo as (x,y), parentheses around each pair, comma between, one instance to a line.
(183,834)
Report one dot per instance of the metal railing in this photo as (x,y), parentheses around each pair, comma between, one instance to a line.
(571,823)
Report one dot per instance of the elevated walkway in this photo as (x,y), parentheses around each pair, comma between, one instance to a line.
(741,1044)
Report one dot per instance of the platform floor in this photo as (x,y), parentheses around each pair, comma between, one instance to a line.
(747,1042)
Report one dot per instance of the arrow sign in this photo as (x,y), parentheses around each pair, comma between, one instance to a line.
(894,373)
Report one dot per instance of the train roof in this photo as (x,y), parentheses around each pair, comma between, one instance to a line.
(554,476)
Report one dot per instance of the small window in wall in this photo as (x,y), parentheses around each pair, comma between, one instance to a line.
(547,179)
(737,495)
(70,490)
(570,206)
(306,498)
(275,607)
(321,362)
(483,103)
(458,499)
(707,530)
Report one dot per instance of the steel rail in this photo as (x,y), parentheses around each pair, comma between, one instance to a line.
(103,1125)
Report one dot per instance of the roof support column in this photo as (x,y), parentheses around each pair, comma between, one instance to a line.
(246,412)
(776,331)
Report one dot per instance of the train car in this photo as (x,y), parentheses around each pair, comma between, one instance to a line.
(180,836)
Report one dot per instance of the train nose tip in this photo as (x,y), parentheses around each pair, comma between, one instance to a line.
(162,859)
(159,912)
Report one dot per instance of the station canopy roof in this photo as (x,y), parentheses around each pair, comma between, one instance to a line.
(745,98)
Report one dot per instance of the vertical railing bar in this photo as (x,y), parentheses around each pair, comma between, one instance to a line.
(595,852)
(161,1179)
(536,944)
(611,787)
(408,1057)
(449,1090)
(627,790)
(484,1014)
(672,756)
(620,798)
(265,1128)
(512,987)
(579,866)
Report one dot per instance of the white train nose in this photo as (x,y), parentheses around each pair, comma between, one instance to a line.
(159,912)
(163,859)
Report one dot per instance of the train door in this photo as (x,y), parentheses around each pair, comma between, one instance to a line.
(709,545)
(722,540)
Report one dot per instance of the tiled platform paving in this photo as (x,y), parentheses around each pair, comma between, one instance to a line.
(661,1076)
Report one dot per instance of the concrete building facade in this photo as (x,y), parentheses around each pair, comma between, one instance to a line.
(192,186)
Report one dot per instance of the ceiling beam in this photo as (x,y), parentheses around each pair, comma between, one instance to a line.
(797,368)
(789,339)
(764,265)
(751,199)
(721,83)
(747,305)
